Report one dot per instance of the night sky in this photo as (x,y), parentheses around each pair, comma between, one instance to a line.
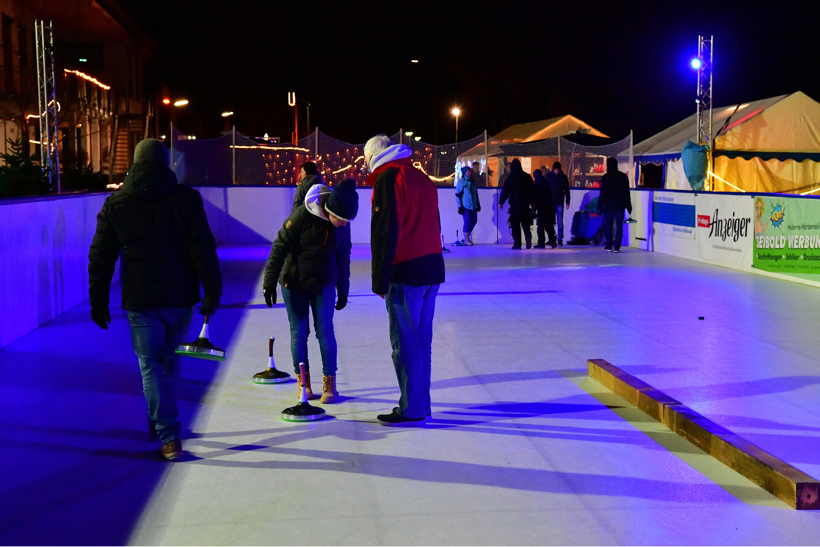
(617,65)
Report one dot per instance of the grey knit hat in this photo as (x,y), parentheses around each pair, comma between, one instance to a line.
(151,151)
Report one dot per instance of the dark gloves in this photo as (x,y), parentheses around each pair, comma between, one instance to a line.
(478,208)
(341,302)
(100,315)
(461,210)
(270,296)
(209,305)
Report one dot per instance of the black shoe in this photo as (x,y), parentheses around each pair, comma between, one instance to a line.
(553,245)
(516,248)
(529,244)
(393,419)
(271,376)
(560,242)
(540,246)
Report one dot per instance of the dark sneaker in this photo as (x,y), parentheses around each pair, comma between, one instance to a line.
(393,419)
(271,376)
(171,450)
(553,245)
(516,248)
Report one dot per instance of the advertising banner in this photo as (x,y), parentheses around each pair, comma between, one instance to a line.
(787,235)
(674,214)
(725,233)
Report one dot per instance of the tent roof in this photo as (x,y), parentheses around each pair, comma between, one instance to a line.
(545,129)
(782,123)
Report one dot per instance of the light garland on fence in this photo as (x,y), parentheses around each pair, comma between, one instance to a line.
(85,76)
(417,165)
(264,147)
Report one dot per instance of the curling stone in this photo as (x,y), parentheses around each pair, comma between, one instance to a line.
(303,411)
(270,375)
(201,348)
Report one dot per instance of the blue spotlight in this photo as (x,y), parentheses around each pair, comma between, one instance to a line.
(695,63)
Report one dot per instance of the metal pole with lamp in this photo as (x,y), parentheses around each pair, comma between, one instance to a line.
(456,111)
(292,102)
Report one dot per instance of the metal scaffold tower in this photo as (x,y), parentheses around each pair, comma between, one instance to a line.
(47,102)
(704,97)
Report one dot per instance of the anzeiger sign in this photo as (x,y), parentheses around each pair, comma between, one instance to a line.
(725,229)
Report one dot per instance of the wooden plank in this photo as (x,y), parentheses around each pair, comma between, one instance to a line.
(784,481)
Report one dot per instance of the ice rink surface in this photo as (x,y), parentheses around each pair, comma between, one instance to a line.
(521,449)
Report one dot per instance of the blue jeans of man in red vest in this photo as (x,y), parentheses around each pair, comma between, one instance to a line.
(410,309)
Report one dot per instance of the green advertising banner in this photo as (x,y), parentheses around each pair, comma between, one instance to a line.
(787,235)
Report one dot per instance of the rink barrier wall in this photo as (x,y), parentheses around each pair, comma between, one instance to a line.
(44,259)
(662,235)
(782,480)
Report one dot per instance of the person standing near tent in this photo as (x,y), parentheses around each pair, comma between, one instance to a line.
(612,201)
(468,204)
(545,210)
(407,269)
(159,231)
(518,188)
(559,184)
(312,254)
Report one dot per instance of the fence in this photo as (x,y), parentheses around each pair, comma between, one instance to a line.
(235,159)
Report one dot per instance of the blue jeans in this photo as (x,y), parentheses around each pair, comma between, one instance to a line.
(323,304)
(470,220)
(155,335)
(410,310)
(559,219)
(613,228)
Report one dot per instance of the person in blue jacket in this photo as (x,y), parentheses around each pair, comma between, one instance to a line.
(468,204)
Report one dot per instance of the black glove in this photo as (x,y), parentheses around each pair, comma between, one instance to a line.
(478,208)
(461,210)
(270,296)
(209,305)
(100,315)
(341,302)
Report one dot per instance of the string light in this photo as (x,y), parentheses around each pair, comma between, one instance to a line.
(85,76)
(267,147)
(727,182)
(417,165)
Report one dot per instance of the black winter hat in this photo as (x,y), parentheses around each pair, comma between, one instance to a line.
(151,150)
(344,201)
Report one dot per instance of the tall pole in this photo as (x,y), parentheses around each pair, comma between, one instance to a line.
(233,156)
(704,98)
(456,128)
(292,102)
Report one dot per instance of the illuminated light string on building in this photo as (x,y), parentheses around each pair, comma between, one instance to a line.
(265,147)
(86,77)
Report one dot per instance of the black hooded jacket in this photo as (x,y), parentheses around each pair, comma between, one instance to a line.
(308,254)
(614,192)
(543,194)
(160,231)
(518,188)
(559,184)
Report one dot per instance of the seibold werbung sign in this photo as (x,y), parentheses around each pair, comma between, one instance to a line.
(787,235)
(725,229)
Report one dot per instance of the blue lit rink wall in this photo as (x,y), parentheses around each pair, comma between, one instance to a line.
(521,448)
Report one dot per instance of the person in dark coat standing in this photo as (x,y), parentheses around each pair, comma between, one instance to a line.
(546,210)
(518,188)
(308,177)
(612,201)
(160,230)
(559,184)
(310,259)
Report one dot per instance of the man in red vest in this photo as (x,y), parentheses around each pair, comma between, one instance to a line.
(407,268)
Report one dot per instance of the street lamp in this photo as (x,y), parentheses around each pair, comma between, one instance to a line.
(456,111)
(226,114)
(181,102)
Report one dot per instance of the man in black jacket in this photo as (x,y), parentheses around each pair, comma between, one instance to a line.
(560,190)
(612,201)
(310,258)
(167,250)
(546,210)
(518,188)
